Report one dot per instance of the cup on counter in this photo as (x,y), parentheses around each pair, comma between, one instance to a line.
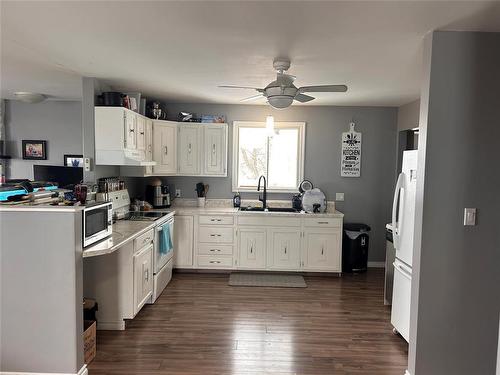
(201,201)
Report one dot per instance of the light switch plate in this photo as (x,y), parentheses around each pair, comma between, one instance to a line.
(339,197)
(86,164)
(469,216)
(177,193)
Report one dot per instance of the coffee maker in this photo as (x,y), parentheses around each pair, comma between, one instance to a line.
(158,195)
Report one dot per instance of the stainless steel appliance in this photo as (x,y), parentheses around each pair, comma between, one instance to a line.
(158,195)
(97,222)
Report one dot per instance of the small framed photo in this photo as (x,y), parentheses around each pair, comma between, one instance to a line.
(73,160)
(34,150)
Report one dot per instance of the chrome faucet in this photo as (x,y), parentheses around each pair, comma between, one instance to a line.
(263,197)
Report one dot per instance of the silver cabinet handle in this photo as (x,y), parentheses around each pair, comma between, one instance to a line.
(323,222)
(215,219)
(214,262)
(189,148)
(251,249)
(217,250)
(215,235)
(146,275)
(166,150)
(213,148)
(322,250)
(285,249)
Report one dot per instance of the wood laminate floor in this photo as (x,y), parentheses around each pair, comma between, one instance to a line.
(200,325)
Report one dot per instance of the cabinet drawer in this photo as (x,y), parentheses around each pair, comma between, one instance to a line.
(208,261)
(216,249)
(263,219)
(320,222)
(143,240)
(215,234)
(216,219)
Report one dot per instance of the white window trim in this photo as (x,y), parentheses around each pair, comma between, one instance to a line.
(277,125)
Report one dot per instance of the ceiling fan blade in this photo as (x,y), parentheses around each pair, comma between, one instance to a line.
(250,98)
(323,88)
(303,98)
(241,87)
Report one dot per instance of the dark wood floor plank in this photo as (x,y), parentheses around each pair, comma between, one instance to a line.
(200,325)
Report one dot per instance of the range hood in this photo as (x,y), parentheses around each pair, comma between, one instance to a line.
(122,158)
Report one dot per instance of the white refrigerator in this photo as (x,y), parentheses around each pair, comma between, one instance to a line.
(403,220)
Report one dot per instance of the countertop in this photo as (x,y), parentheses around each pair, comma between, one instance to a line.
(124,231)
(180,210)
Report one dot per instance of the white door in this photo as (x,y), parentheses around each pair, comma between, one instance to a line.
(401,299)
(214,146)
(183,242)
(252,248)
(149,145)
(284,249)
(405,194)
(141,133)
(143,277)
(165,148)
(322,250)
(189,150)
(130,130)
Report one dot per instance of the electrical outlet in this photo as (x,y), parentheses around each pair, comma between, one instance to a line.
(469,216)
(177,193)
(339,197)
(86,164)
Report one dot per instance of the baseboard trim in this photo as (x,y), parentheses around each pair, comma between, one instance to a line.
(83,371)
(376,264)
(111,326)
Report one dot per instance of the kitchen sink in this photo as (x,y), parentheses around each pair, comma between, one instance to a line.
(269,209)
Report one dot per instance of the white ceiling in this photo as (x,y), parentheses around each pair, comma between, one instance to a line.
(180,51)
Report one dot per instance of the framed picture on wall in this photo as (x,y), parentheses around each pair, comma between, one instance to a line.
(34,150)
(73,160)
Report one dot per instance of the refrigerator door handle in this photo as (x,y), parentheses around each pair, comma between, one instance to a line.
(396,227)
(403,270)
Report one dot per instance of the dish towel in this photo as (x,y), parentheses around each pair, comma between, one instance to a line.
(165,240)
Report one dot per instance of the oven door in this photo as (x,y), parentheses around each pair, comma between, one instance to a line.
(97,223)
(164,244)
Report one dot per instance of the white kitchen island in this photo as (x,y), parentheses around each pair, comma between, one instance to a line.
(41,290)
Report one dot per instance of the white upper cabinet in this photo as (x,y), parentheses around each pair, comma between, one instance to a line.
(189,149)
(214,150)
(322,250)
(165,147)
(141,133)
(284,250)
(117,138)
(149,145)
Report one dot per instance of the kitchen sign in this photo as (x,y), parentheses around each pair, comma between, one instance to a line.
(351,153)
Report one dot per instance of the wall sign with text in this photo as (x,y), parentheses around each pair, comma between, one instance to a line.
(351,153)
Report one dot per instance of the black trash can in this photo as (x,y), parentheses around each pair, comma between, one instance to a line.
(355,247)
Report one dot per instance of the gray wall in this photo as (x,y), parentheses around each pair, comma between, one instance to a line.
(455,328)
(368,199)
(57,122)
(408,115)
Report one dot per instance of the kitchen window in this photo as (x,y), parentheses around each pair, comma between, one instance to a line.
(278,155)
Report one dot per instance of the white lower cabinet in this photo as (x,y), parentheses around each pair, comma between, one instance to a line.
(183,241)
(283,249)
(322,250)
(252,248)
(143,277)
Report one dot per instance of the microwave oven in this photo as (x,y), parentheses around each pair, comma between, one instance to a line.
(97,222)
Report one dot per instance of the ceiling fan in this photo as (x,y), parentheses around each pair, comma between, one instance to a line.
(282,92)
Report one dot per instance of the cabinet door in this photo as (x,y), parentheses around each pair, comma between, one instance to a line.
(252,248)
(214,150)
(141,133)
(189,149)
(149,145)
(183,241)
(284,249)
(130,130)
(164,148)
(322,250)
(143,277)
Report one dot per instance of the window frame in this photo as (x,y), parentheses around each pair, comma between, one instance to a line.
(301,126)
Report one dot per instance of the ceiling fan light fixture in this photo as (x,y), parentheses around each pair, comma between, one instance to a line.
(280,101)
(29,97)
